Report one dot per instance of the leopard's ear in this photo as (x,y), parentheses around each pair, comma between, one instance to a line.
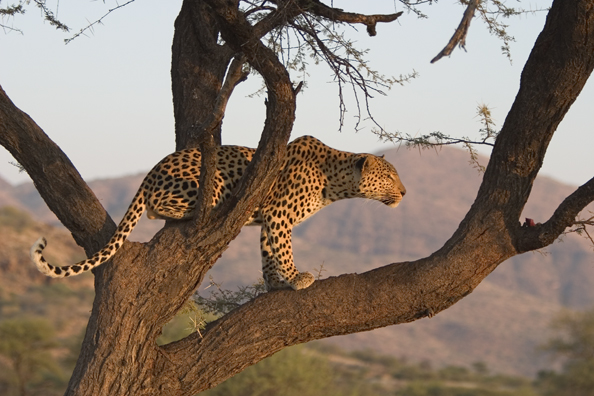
(382,156)
(361,163)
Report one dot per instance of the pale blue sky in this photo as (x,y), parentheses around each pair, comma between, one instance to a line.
(106,98)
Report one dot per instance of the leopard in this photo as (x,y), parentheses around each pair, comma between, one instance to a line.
(313,175)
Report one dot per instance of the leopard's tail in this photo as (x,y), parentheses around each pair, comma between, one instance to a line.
(133,214)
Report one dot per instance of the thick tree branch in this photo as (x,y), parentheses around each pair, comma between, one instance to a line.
(532,238)
(398,293)
(54,176)
(285,12)
(206,140)
(198,68)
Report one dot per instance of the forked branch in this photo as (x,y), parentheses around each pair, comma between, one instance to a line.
(541,235)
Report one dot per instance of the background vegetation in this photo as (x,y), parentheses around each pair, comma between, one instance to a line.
(35,360)
(41,331)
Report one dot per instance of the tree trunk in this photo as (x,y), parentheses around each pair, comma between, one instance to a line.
(197,71)
(146,284)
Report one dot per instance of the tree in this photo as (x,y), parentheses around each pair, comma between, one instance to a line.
(26,343)
(573,343)
(308,375)
(213,39)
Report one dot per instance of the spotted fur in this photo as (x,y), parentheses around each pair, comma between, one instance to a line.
(313,176)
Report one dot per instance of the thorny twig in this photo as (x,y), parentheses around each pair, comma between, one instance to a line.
(19,8)
(98,21)
(222,301)
(488,135)
(319,271)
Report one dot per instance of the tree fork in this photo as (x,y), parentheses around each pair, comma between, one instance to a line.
(173,265)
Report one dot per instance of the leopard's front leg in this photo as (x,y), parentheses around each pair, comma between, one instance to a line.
(272,278)
(278,267)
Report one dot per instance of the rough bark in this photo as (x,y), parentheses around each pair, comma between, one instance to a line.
(198,67)
(54,176)
(146,284)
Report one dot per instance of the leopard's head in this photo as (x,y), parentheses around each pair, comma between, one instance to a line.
(379,180)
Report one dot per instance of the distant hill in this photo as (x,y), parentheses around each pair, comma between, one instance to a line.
(500,323)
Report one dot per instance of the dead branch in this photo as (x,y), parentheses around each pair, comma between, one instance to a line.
(459,37)
(338,15)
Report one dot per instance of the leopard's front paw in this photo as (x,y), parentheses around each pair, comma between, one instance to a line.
(302,280)
(275,282)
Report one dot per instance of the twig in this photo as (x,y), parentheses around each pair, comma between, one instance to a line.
(98,21)
(580,227)
(11,29)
